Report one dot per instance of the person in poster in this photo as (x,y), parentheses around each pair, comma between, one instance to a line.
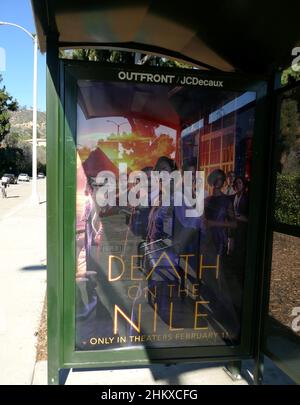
(147,273)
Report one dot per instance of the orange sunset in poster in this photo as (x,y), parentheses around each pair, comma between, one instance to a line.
(99,150)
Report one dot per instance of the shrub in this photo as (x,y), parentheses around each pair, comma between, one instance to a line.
(287,199)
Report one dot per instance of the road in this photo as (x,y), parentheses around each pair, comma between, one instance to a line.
(17,194)
(23,280)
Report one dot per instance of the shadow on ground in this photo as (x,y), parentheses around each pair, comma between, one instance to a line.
(170,373)
(35,267)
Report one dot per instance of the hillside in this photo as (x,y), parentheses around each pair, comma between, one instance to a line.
(21,123)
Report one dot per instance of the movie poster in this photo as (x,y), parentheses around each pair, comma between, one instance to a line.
(163,186)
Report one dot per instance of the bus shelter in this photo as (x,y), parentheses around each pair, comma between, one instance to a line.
(143,271)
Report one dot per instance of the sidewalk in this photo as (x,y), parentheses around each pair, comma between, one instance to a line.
(184,374)
(22,292)
(22,288)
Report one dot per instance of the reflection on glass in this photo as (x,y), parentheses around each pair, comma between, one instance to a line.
(284,305)
(288,167)
(149,274)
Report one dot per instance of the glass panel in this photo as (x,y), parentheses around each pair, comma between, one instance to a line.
(284,303)
(154,271)
(288,167)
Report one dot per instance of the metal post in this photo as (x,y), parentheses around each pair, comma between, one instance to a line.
(233,370)
(267,236)
(54,220)
(34,194)
(118,133)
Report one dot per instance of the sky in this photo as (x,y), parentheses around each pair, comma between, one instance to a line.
(92,130)
(16,54)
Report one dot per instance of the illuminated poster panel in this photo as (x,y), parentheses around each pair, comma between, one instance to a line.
(163,186)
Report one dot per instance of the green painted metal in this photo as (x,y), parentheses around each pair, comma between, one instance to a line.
(54,217)
(276,341)
(200,31)
(263,280)
(61,153)
(145,356)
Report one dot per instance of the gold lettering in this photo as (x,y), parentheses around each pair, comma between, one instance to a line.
(110,260)
(198,315)
(152,291)
(204,266)
(155,318)
(170,286)
(118,310)
(136,292)
(164,254)
(182,291)
(186,267)
(135,267)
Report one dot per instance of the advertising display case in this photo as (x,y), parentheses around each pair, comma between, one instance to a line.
(160,197)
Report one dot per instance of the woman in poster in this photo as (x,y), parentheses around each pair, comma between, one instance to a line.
(159,241)
(219,289)
(219,214)
(241,206)
(87,268)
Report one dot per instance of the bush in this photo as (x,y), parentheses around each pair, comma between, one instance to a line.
(287,199)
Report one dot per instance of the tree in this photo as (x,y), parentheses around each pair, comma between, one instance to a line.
(26,164)
(11,159)
(289,122)
(7,104)
(289,76)
(121,57)
(289,140)
(12,140)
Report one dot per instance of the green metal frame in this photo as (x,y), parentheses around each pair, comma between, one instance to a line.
(264,278)
(62,79)
(278,342)
(54,215)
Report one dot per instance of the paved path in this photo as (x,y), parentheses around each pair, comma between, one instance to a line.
(23,280)
(22,291)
